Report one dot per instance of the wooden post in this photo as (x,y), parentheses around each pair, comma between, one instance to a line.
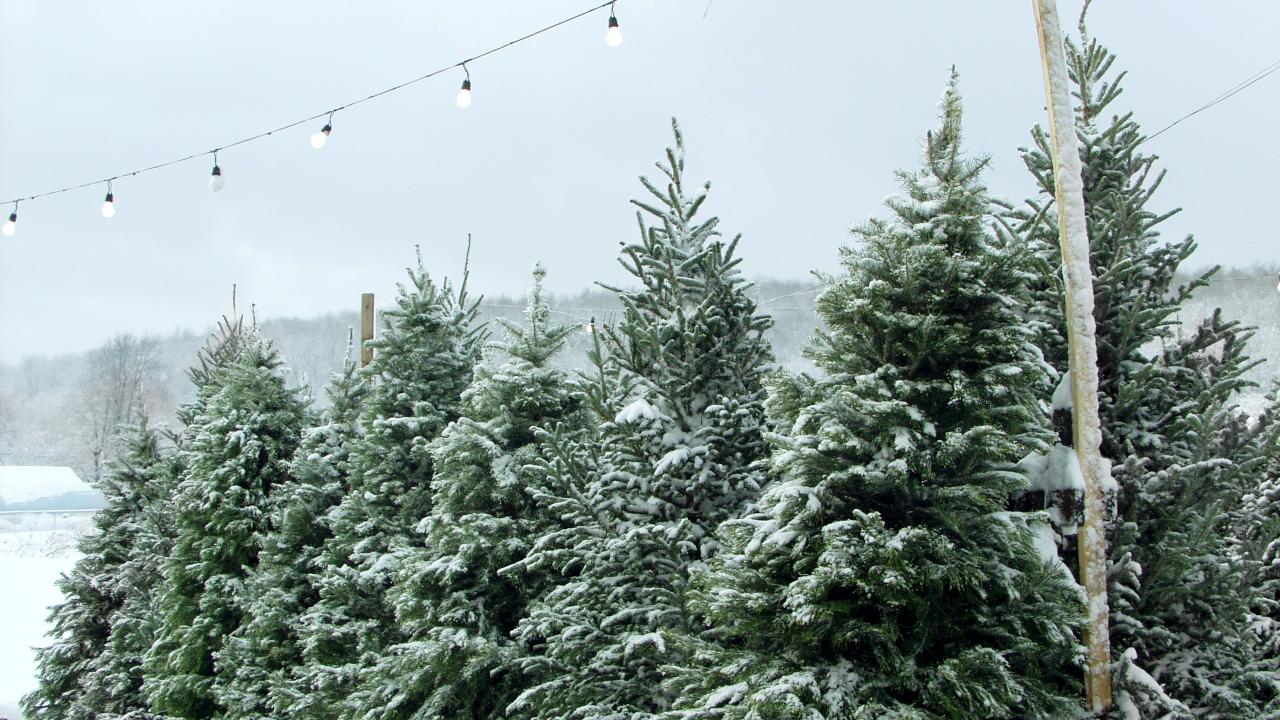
(366,328)
(1083,362)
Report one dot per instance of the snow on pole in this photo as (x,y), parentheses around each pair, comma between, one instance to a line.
(1087,429)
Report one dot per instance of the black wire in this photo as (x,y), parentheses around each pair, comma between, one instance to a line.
(1237,88)
(317,116)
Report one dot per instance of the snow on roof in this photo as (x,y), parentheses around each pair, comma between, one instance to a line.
(26,483)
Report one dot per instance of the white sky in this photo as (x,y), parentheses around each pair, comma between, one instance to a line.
(798,113)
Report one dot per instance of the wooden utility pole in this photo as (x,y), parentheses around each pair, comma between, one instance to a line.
(1083,363)
(366,328)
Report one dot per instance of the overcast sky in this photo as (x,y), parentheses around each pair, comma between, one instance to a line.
(798,112)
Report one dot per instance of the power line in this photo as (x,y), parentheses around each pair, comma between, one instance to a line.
(461,64)
(1264,72)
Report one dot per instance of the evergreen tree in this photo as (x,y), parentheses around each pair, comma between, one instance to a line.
(882,576)
(264,654)
(454,602)
(238,447)
(77,680)
(681,415)
(422,363)
(1258,530)
(135,627)
(1182,453)
(130,558)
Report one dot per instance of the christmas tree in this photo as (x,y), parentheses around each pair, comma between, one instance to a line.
(238,448)
(1258,534)
(882,576)
(264,654)
(454,602)
(78,677)
(422,363)
(1183,454)
(678,391)
(96,667)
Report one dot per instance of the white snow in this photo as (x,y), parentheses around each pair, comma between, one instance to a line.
(726,695)
(672,459)
(639,409)
(1062,393)
(31,560)
(1046,543)
(638,641)
(1057,470)
(25,483)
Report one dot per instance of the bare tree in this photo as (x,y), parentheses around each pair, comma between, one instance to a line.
(113,395)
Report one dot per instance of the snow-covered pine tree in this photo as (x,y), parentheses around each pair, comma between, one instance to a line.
(134,627)
(453,603)
(237,451)
(883,576)
(111,685)
(264,656)
(77,678)
(1181,451)
(1258,533)
(422,363)
(681,405)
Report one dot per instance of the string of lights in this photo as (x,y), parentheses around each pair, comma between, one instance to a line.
(217,181)
(613,37)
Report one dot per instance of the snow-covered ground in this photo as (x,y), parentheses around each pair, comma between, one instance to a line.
(33,554)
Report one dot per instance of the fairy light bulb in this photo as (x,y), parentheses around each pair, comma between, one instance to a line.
(217,182)
(614,36)
(464,95)
(318,140)
(11,226)
(109,205)
(590,327)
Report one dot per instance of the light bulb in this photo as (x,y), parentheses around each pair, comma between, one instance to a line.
(464,95)
(317,140)
(217,182)
(10,227)
(109,206)
(614,36)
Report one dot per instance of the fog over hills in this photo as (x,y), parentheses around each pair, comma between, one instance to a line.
(53,410)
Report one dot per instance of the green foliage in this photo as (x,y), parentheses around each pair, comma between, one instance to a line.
(265,654)
(79,676)
(1182,451)
(422,363)
(882,576)
(678,393)
(240,442)
(455,602)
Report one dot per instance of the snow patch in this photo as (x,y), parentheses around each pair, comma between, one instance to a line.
(24,612)
(1062,394)
(1057,470)
(672,459)
(636,642)
(638,410)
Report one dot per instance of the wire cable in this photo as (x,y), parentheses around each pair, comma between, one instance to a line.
(1264,72)
(324,113)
